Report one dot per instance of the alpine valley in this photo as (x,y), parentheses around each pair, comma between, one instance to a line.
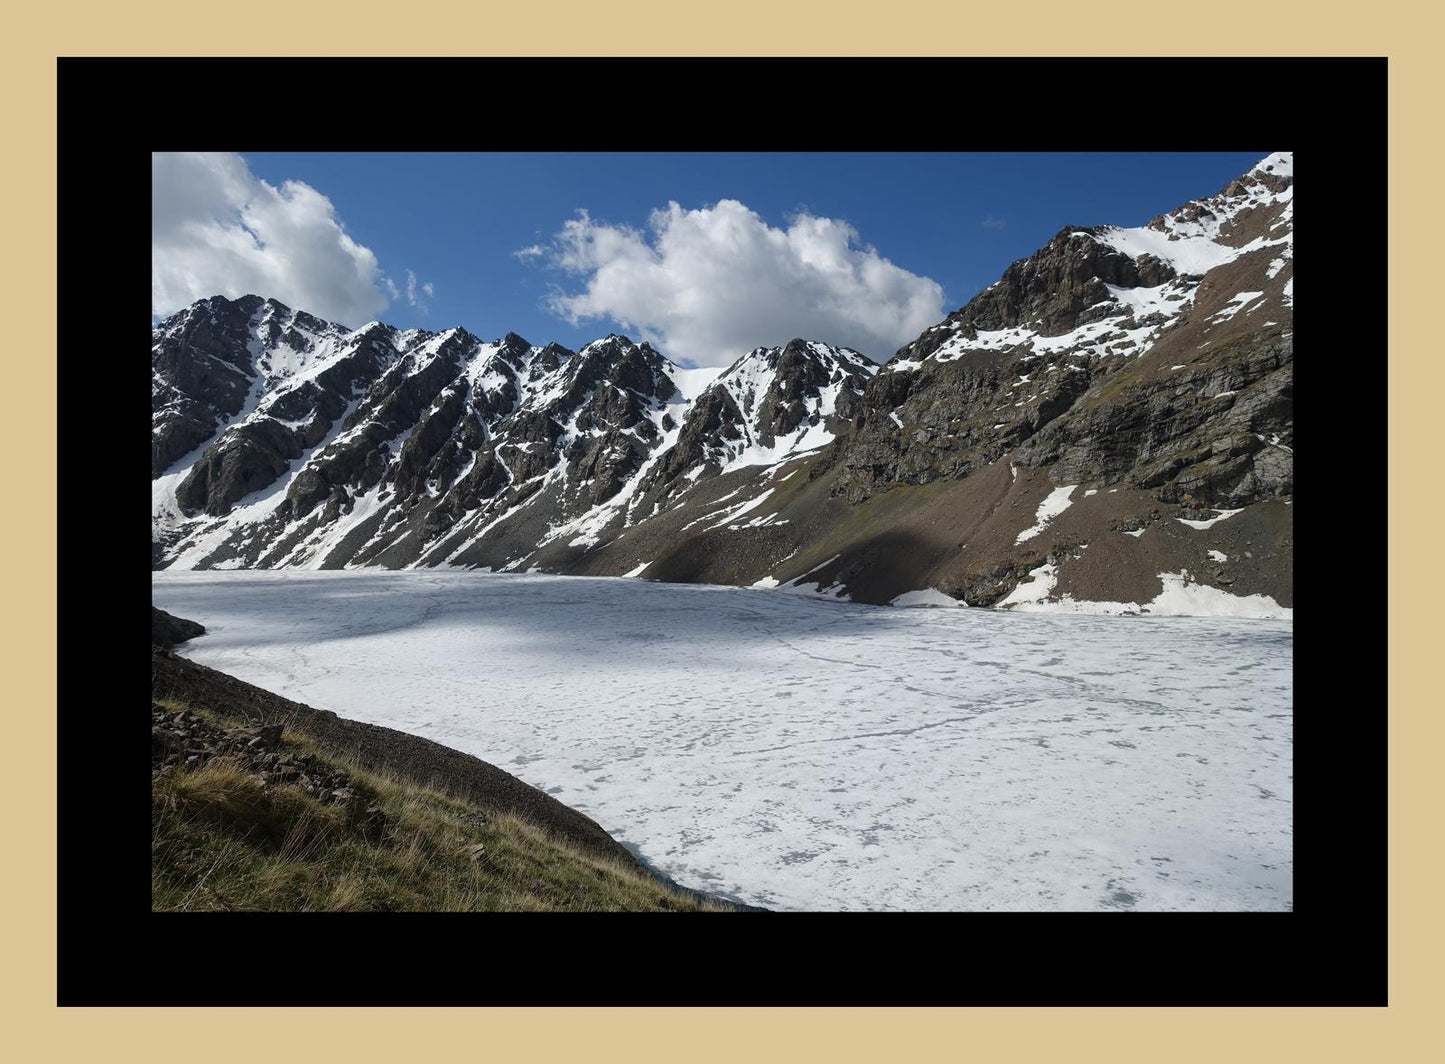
(1107,428)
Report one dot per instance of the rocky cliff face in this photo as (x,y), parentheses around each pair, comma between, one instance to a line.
(1108,426)
(212,363)
(1158,358)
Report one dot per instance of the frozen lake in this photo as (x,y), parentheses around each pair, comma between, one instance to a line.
(799,753)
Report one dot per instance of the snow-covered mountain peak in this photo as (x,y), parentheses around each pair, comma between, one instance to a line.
(793,364)
(771,404)
(1280,163)
(1251,212)
(1107,290)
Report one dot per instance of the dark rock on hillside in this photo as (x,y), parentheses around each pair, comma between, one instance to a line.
(1200,436)
(713,418)
(1054,289)
(168,630)
(252,457)
(952,418)
(182,740)
(200,376)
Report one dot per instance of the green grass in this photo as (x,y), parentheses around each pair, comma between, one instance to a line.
(221,841)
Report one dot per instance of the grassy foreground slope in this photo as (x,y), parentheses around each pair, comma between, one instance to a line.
(259,803)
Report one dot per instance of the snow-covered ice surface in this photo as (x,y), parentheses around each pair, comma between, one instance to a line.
(801,753)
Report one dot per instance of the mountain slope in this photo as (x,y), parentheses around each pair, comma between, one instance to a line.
(1107,427)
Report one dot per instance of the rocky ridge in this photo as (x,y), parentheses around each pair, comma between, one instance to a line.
(393,447)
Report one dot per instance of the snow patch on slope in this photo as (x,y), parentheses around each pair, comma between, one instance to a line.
(927,597)
(1180,597)
(1220,515)
(1055,503)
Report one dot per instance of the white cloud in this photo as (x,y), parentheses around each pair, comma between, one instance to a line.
(710,284)
(216,228)
(993,223)
(411,287)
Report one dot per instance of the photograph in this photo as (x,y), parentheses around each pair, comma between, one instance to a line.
(722,531)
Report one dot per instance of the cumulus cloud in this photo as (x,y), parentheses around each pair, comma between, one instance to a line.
(708,285)
(216,228)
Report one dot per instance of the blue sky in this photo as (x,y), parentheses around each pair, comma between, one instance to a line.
(761,247)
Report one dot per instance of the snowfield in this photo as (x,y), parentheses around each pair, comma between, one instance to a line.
(800,753)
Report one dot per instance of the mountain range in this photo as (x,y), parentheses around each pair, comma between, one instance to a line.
(1106,428)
